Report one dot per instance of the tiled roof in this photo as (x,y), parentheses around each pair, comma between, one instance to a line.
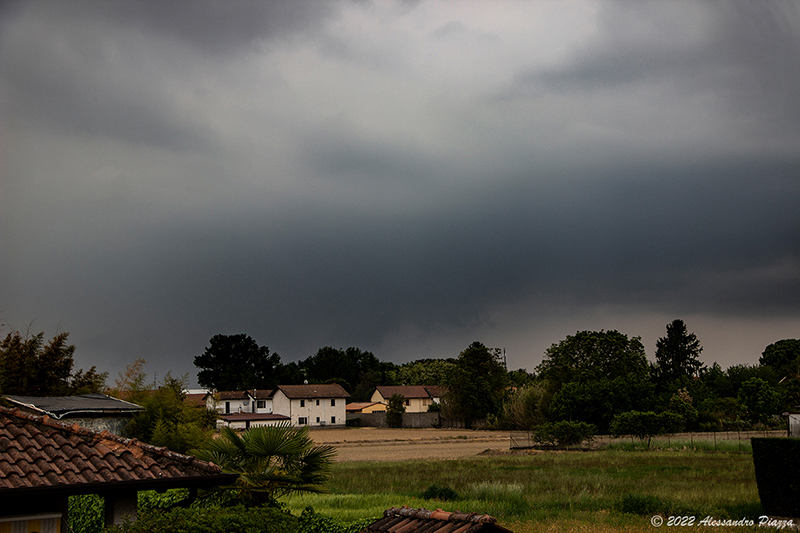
(40,454)
(410,520)
(331,390)
(435,391)
(84,404)
(233,395)
(195,400)
(408,391)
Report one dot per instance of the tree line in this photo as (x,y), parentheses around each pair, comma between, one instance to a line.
(602,379)
(592,377)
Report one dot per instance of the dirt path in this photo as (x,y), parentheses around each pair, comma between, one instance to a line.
(378,444)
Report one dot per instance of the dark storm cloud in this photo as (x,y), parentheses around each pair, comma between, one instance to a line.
(746,52)
(694,243)
(109,69)
(316,174)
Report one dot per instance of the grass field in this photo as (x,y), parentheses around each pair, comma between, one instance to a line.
(604,490)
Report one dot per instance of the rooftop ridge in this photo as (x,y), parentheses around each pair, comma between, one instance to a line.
(456,516)
(105,435)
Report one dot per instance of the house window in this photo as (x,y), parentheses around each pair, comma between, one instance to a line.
(317,402)
(333,403)
(333,420)
(302,403)
(302,421)
(261,404)
(317,420)
(408,402)
(246,402)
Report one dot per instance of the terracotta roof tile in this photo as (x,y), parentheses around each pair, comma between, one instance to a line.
(408,391)
(37,452)
(410,520)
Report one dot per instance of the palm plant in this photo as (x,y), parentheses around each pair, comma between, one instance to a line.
(271,461)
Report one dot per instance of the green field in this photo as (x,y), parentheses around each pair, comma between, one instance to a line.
(605,490)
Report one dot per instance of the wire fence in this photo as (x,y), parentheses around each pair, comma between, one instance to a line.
(522,440)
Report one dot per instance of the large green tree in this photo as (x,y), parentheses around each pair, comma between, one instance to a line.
(31,367)
(760,399)
(237,362)
(589,355)
(359,372)
(424,372)
(594,375)
(783,356)
(677,356)
(272,461)
(476,385)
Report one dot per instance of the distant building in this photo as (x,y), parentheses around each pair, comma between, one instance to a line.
(365,407)
(418,397)
(250,420)
(311,405)
(248,401)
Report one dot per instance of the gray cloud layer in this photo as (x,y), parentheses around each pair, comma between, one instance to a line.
(401,177)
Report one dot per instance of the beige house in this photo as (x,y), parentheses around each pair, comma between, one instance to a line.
(311,405)
(418,397)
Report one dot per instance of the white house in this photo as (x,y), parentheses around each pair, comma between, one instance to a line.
(311,405)
(232,402)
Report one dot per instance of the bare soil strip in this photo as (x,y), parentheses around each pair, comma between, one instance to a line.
(378,444)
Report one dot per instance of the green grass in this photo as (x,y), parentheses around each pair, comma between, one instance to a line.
(684,444)
(605,489)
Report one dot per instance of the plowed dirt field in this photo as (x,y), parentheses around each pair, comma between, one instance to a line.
(377,444)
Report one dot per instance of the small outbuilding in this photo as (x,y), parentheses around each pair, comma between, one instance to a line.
(250,420)
(409,520)
(93,411)
(365,407)
(43,462)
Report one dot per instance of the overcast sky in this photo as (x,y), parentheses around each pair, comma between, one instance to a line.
(404,177)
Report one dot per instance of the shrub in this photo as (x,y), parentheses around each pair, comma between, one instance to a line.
(641,504)
(86,513)
(311,522)
(436,492)
(181,520)
(646,425)
(564,433)
(394,410)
